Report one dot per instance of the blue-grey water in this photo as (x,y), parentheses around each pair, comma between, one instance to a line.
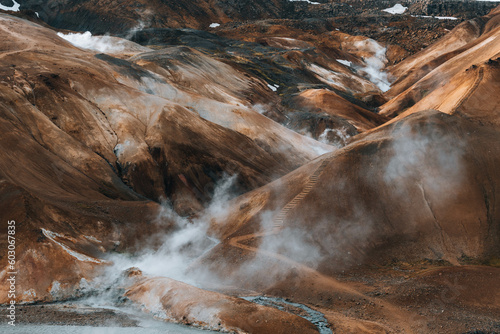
(315,317)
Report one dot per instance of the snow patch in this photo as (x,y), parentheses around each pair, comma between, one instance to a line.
(274,88)
(14,8)
(84,284)
(396,9)
(55,288)
(345,62)
(29,293)
(336,79)
(445,18)
(437,17)
(79,256)
(214,25)
(308,1)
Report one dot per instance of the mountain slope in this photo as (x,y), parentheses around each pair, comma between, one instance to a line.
(88,153)
(477,51)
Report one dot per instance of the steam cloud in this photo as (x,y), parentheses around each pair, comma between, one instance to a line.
(103,44)
(428,154)
(375,64)
(341,134)
(180,248)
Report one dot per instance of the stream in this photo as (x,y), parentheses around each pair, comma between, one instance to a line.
(313,316)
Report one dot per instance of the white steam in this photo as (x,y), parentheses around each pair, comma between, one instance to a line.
(320,150)
(139,26)
(375,64)
(260,108)
(338,241)
(103,44)
(325,138)
(428,155)
(180,248)
(341,134)
(292,243)
(121,148)
(219,203)
(442,17)
(176,253)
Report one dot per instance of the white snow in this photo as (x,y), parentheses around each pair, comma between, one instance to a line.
(308,1)
(79,256)
(55,288)
(260,108)
(396,9)
(345,62)
(122,147)
(273,87)
(92,239)
(214,25)
(437,17)
(445,18)
(29,293)
(14,8)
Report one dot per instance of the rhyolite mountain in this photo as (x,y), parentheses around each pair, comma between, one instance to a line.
(378,209)
(113,16)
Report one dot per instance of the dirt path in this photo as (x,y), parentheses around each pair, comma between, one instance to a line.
(30,44)
(279,220)
(397,316)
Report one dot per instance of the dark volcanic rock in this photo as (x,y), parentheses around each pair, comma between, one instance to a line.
(461,9)
(122,16)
